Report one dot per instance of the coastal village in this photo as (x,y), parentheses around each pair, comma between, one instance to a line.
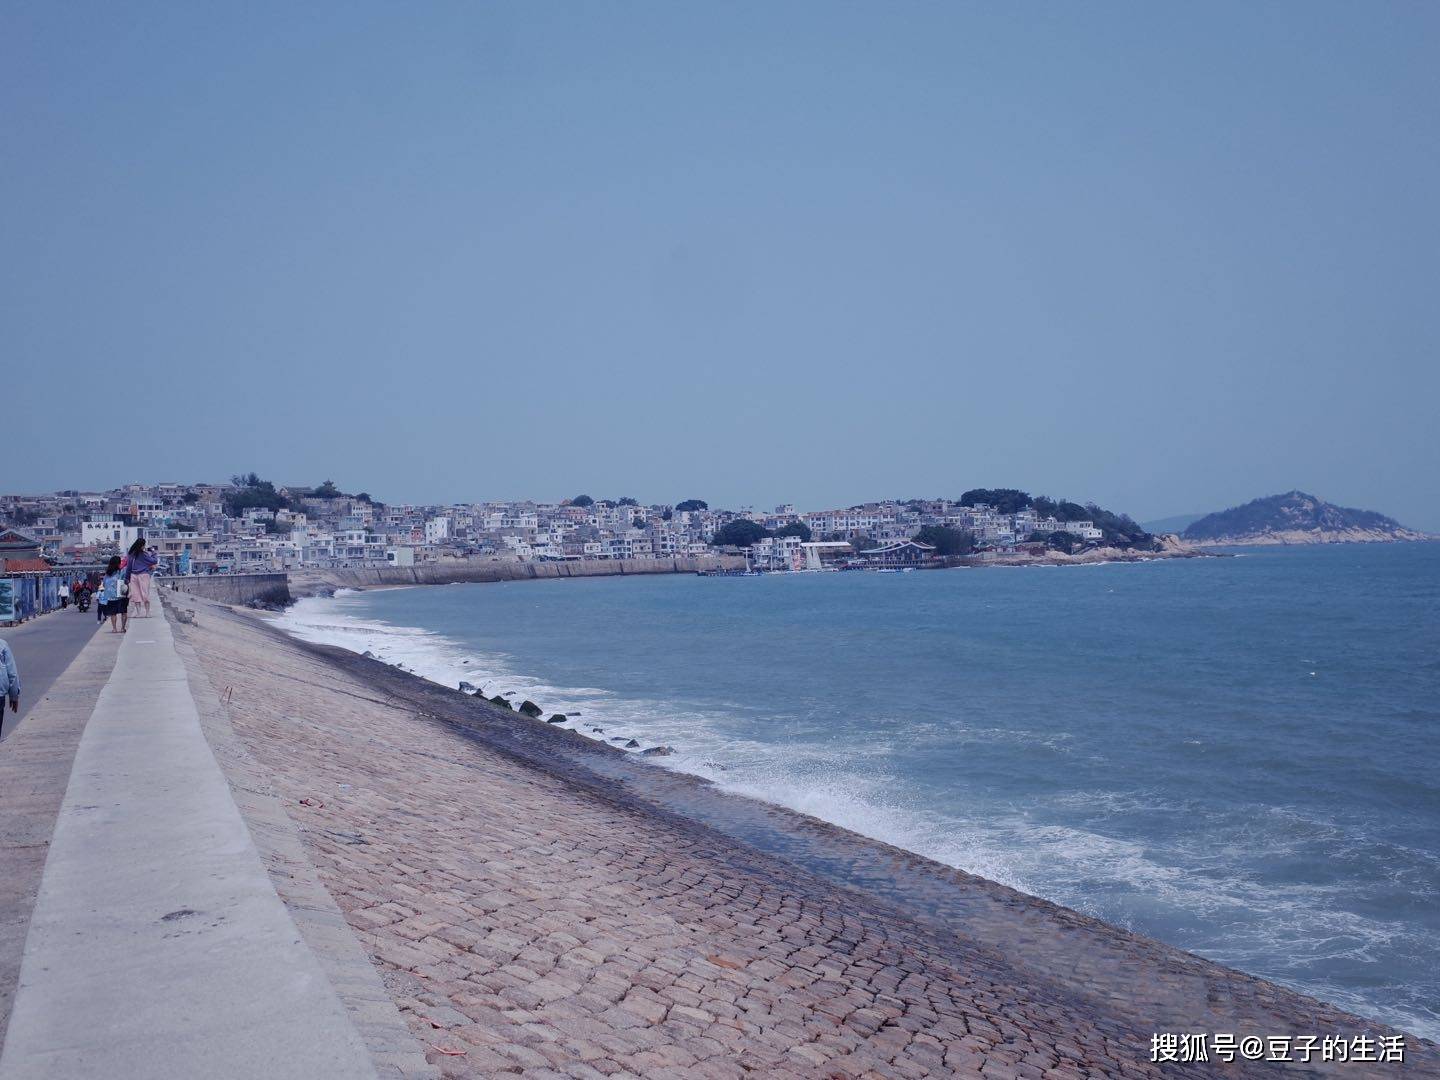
(251,526)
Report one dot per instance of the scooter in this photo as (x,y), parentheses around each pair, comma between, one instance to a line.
(82,600)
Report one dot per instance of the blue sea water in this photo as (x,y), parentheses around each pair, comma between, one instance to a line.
(1237,756)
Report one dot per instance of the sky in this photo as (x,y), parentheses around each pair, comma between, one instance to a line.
(1163,257)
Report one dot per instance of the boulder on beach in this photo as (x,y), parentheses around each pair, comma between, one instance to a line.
(368,655)
(529,708)
(558,718)
(500,700)
(467,688)
(658,751)
(632,745)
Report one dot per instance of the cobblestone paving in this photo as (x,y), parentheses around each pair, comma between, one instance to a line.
(526,924)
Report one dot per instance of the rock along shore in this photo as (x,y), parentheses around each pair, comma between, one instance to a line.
(541,904)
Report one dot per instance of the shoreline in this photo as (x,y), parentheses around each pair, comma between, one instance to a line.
(281,588)
(1110,975)
(1300,538)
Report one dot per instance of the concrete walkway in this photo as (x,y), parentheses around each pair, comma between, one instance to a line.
(157,946)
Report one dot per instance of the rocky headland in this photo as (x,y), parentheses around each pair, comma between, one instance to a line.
(1168,546)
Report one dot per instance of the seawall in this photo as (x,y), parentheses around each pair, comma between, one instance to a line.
(451,571)
(282,588)
(235,588)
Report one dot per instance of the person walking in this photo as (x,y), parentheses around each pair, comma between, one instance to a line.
(9,681)
(64,596)
(114,596)
(139,566)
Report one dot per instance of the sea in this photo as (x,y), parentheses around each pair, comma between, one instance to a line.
(1235,755)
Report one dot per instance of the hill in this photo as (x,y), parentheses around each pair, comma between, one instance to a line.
(1296,518)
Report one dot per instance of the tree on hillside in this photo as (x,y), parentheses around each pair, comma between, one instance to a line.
(327,490)
(946,541)
(1004,500)
(626,501)
(692,504)
(1063,541)
(795,528)
(250,492)
(1120,530)
(582,500)
(741,532)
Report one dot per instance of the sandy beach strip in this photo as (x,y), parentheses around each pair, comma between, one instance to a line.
(540,904)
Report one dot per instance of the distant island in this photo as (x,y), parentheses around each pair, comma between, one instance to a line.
(1296,518)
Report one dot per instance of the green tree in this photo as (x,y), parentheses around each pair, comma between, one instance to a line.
(795,528)
(627,501)
(692,504)
(327,490)
(946,541)
(741,532)
(250,492)
(1004,500)
(582,500)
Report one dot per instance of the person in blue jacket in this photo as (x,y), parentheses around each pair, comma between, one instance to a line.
(9,681)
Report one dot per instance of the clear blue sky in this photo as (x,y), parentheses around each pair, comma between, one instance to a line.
(1166,257)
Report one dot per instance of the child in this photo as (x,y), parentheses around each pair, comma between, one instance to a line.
(114,602)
